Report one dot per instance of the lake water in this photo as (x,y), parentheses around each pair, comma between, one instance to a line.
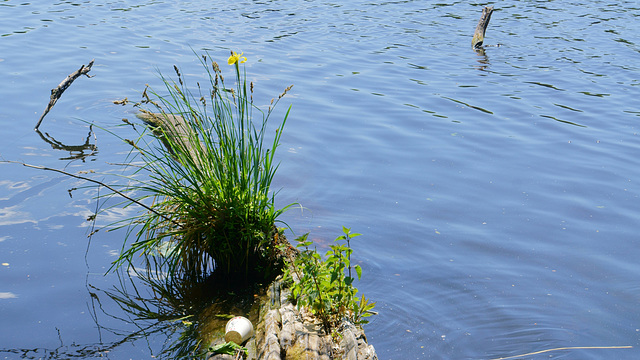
(497,192)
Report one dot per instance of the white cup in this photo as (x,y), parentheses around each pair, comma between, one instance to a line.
(238,330)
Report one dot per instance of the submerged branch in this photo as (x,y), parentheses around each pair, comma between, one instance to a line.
(64,85)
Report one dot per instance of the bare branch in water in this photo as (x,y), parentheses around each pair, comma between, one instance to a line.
(64,85)
(481,28)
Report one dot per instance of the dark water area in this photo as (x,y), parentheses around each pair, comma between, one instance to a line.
(497,192)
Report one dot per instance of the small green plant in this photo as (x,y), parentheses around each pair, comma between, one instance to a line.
(229,348)
(326,286)
(208,180)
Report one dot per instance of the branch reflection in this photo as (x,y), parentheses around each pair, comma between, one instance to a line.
(76,152)
(190,313)
(483,59)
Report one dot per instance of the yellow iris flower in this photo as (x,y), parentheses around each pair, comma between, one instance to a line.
(236,58)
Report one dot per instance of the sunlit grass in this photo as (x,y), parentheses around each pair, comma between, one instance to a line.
(207,182)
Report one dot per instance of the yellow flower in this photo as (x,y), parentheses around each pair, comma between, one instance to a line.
(236,58)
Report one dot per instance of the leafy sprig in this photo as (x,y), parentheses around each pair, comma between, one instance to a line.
(325,286)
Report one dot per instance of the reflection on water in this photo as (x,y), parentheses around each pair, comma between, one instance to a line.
(11,209)
(483,59)
(76,152)
(154,306)
(189,315)
(66,351)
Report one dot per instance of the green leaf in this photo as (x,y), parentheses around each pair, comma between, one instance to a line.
(334,277)
(348,281)
(305,244)
(228,348)
(358,271)
(302,238)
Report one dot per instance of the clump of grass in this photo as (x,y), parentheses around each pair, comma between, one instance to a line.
(212,209)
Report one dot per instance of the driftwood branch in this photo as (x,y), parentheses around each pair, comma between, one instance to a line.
(481,28)
(64,85)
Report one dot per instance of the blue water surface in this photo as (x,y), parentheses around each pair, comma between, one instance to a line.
(497,191)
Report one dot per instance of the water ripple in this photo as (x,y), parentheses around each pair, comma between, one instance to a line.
(496,190)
